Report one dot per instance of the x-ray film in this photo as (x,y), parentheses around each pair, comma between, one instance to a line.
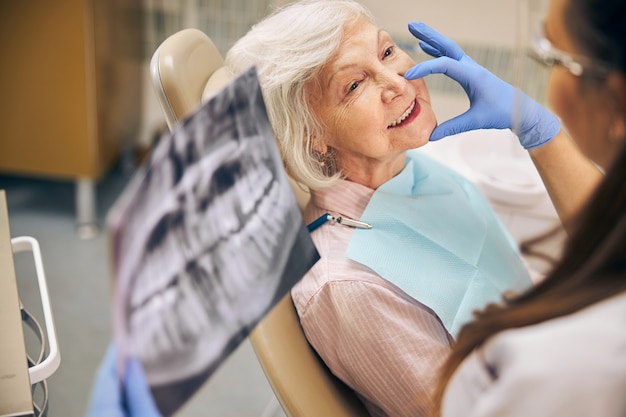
(206,238)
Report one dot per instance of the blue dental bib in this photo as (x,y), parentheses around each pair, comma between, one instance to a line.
(437,238)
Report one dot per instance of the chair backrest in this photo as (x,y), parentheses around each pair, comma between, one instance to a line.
(182,67)
(301,381)
(186,69)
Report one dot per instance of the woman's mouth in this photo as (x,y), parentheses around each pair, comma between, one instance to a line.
(408,116)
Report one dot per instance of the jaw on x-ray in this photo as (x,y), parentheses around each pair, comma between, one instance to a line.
(201,240)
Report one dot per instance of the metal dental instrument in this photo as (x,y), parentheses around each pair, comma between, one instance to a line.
(327,217)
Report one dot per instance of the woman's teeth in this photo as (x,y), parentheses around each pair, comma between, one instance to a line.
(402,118)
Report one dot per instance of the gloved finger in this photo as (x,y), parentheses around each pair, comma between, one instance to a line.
(445,46)
(105,394)
(106,385)
(456,70)
(109,361)
(429,49)
(139,398)
(459,124)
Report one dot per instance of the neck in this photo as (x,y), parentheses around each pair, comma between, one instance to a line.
(373,175)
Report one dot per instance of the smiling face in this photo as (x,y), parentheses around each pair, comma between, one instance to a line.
(371,113)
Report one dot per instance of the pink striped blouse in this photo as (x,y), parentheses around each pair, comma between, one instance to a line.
(381,342)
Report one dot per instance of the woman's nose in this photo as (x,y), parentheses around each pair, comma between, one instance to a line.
(393,85)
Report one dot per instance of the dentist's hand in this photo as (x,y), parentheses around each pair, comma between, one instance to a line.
(491,99)
(109,399)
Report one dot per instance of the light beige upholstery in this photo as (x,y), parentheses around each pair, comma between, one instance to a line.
(302,383)
(186,69)
(181,68)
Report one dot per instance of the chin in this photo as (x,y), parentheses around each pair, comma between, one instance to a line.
(418,143)
(423,137)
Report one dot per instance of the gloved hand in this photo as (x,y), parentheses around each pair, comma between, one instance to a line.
(492,101)
(109,399)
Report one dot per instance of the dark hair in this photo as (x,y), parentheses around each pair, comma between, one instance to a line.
(598,28)
(593,265)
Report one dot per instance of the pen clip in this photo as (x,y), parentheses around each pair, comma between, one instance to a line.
(329,218)
(352,223)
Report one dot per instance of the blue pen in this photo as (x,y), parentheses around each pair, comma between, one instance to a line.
(318,222)
(327,217)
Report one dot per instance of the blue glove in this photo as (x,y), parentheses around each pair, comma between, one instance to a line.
(109,399)
(492,101)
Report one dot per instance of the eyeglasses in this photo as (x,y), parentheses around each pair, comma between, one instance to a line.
(545,53)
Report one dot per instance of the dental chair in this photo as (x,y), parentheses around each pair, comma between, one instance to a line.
(185,70)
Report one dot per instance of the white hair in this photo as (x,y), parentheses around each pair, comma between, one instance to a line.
(289,48)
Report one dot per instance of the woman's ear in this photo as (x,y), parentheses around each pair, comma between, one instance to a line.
(616,83)
(319,146)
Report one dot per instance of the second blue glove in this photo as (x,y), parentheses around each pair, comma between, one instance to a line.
(132,398)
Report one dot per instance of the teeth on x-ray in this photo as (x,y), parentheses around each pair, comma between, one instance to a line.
(226,237)
(203,239)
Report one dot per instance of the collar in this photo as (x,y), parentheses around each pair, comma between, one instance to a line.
(344,198)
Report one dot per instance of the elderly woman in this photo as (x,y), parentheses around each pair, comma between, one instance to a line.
(382,305)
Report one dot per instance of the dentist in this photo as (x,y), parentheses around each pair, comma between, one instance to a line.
(558,349)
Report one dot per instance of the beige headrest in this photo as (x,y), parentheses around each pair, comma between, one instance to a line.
(217,80)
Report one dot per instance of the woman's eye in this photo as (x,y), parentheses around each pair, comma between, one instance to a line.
(388,51)
(353,86)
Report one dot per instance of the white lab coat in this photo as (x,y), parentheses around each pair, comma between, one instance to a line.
(570,366)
